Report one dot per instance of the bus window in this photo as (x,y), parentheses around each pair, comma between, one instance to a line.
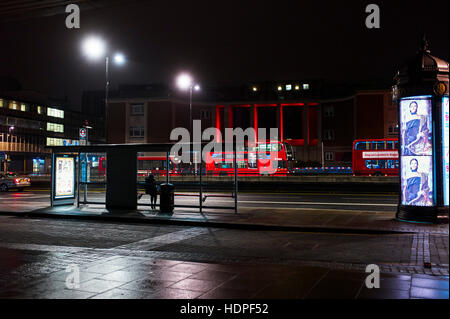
(278,164)
(277,147)
(241,164)
(390,164)
(378,145)
(369,164)
(396,145)
(390,145)
(252,162)
(361,146)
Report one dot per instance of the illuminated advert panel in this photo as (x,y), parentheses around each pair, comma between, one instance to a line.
(64,177)
(445,148)
(417,151)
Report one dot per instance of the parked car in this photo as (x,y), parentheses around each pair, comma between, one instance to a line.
(11,180)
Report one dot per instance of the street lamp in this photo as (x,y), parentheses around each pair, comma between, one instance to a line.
(184,82)
(95,48)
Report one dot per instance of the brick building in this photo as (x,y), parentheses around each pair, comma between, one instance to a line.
(320,121)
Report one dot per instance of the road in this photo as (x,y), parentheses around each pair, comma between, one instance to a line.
(38,198)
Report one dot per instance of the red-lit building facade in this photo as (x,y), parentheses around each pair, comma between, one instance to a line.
(320,127)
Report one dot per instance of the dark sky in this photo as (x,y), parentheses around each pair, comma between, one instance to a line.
(222,42)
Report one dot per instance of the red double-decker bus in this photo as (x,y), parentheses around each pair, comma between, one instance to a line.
(376,157)
(157,166)
(254,159)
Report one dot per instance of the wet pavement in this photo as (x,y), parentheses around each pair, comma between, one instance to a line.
(111,276)
(309,247)
(132,260)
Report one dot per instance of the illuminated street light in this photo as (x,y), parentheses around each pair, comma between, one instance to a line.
(119,58)
(184,81)
(94,48)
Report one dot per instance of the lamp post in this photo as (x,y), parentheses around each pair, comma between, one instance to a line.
(185,82)
(421,91)
(95,48)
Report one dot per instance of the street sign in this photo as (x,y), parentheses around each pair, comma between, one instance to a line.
(83,133)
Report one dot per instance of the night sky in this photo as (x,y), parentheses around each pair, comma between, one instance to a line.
(222,42)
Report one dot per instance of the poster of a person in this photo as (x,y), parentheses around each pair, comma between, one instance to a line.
(417,181)
(416,131)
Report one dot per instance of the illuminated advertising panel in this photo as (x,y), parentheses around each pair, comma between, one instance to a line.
(64,177)
(445,148)
(417,151)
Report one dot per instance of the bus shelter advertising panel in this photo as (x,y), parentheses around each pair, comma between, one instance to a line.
(64,178)
(445,148)
(417,151)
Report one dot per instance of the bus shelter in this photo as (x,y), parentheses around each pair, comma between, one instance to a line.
(121,183)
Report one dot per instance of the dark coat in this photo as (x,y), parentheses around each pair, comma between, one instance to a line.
(150,185)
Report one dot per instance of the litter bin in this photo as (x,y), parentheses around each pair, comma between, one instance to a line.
(167,198)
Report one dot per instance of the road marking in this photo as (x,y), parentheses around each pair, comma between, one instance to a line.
(315,203)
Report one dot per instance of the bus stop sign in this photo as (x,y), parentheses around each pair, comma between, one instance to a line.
(83,133)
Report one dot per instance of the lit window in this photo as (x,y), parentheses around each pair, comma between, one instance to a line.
(280,88)
(51,141)
(305,86)
(1,102)
(53,127)
(288,87)
(55,112)
(297,87)
(40,109)
(13,105)
(23,107)
(255,89)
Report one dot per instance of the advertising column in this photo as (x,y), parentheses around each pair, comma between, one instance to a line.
(445,149)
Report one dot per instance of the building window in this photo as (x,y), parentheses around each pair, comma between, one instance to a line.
(288,87)
(136,131)
(329,156)
(137,109)
(40,110)
(393,129)
(328,111)
(23,107)
(51,141)
(55,112)
(13,105)
(328,135)
(53,127)
(280,88)
(205,114)
(1,102)
(305,86)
